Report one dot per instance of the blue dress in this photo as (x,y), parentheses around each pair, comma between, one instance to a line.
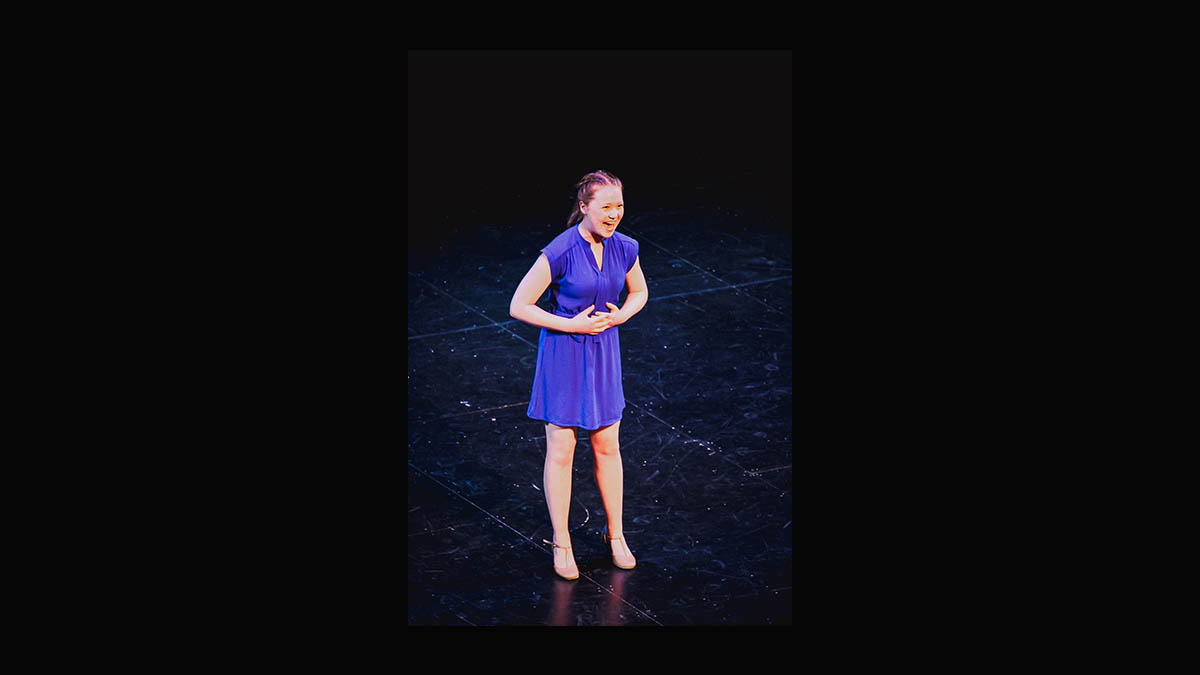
(577,381)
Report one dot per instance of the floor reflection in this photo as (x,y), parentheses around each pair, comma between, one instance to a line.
(614,605)
(560,603)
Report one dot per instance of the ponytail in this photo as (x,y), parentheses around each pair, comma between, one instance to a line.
(576,215)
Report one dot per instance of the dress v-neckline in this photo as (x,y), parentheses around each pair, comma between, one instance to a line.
(599,264)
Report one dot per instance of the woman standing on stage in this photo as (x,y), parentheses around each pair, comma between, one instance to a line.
(577,381)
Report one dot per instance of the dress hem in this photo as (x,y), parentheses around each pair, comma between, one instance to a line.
(580,426)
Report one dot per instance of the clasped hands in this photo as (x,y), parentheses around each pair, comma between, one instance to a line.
(598,322)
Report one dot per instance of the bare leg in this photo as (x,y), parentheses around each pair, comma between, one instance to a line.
(610,478)
(556,483)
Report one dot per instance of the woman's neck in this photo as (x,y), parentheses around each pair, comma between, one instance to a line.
(587,236)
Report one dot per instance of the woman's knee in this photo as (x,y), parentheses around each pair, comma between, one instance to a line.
(605,441)
(560,444)
(560,455)
(605,450)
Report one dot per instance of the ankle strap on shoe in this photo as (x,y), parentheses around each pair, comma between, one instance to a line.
(568,548)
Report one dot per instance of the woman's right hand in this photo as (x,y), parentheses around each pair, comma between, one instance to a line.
(594,325)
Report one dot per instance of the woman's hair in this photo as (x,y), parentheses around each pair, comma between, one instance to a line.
(586,188)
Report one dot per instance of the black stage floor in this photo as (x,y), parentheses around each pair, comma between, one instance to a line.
(706,438)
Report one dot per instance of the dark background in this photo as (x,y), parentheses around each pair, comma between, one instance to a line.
(498,136)
(702,143)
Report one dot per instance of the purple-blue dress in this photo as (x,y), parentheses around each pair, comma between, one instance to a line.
(577,381)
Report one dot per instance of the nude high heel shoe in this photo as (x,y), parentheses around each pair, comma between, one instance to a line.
(571,571)
(625,562)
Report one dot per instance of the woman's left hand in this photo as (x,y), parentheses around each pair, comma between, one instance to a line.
(615,315)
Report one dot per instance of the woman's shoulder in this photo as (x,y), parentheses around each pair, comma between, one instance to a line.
(629,244)
(562,243)
(625,239)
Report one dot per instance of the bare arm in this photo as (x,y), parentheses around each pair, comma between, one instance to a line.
(523,306)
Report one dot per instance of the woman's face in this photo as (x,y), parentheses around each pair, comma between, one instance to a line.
(604,212)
